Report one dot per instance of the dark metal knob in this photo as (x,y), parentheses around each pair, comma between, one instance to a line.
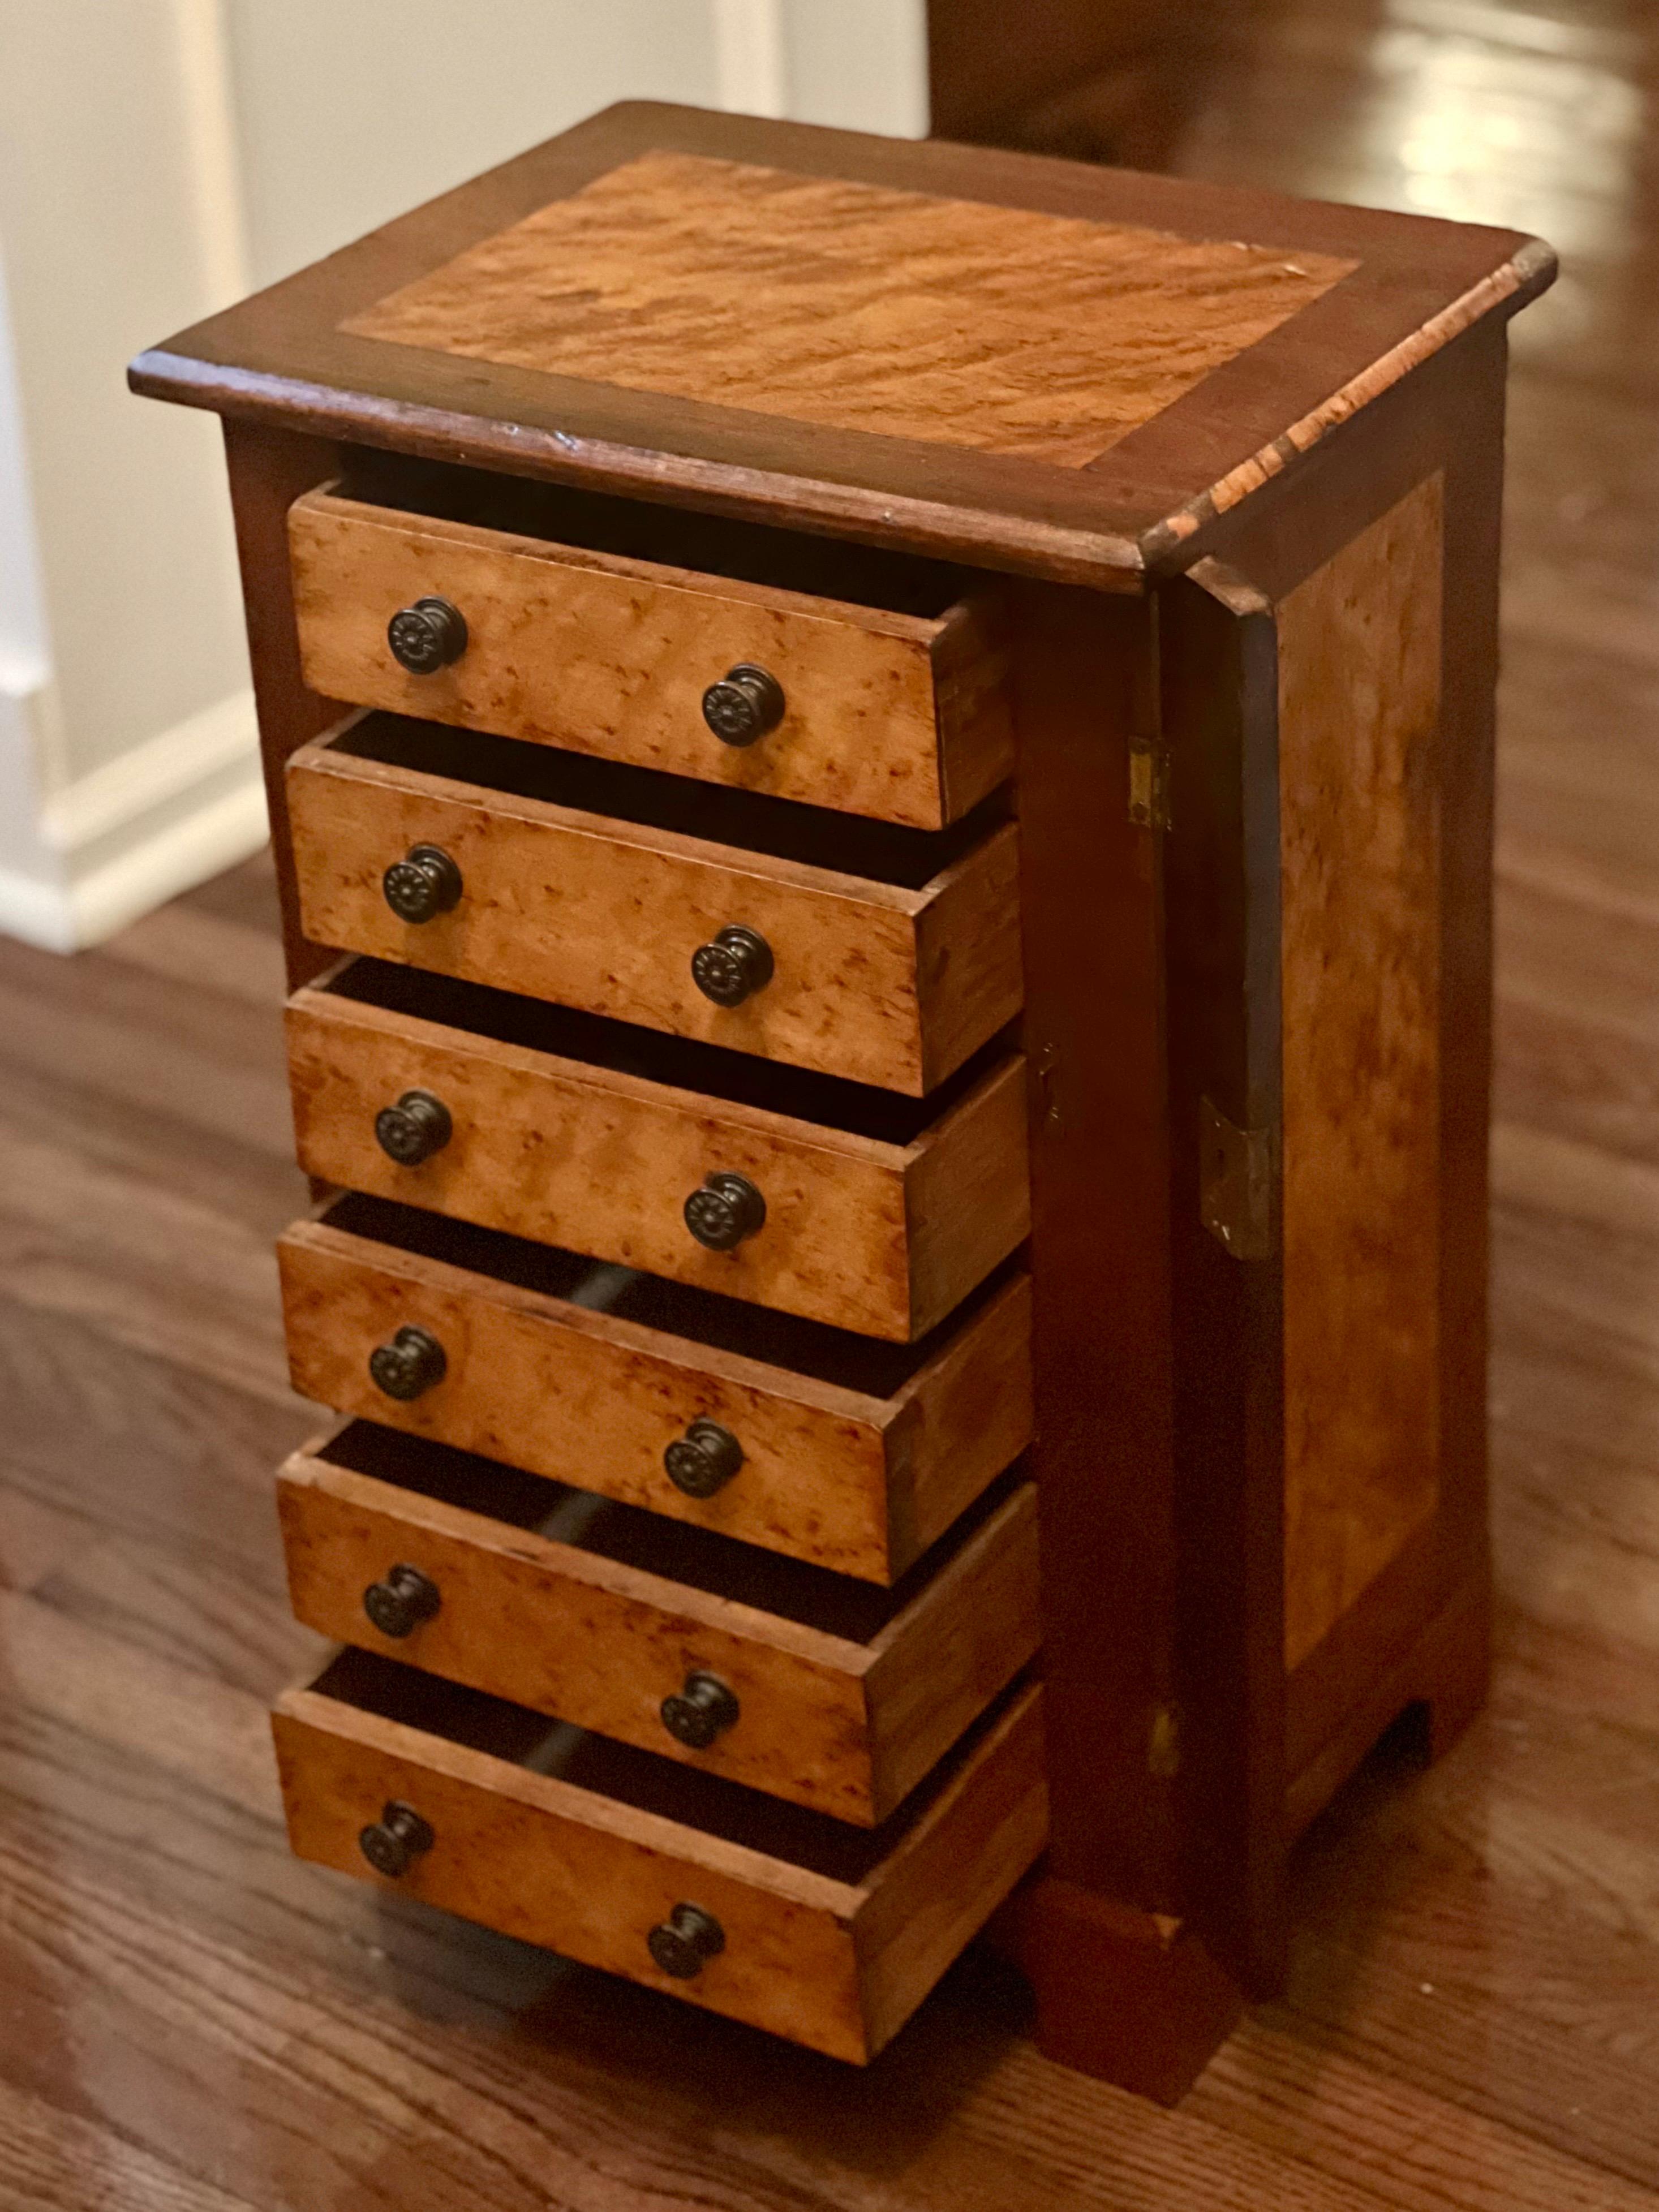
(704,1460)
(723,1210)
(399,1605)
(423,886)
(737,964)
(427,636)
(393,1843)
(412,1130)
(682,1943)
(410,1364)
(743,705)
(704,1710)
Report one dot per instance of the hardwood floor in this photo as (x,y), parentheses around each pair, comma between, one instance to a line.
(192,2021)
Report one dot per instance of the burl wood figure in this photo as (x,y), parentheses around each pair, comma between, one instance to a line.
(881,762)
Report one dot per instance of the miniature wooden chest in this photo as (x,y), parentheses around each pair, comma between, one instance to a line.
(880,758)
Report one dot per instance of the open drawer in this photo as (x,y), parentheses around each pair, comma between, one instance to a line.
(826,1933)
(886,956)
(830,1692)
(847,1453)
(888,701)
(821,1197)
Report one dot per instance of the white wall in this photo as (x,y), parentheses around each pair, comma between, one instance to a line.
(134,729)
(349,111)
(157,158)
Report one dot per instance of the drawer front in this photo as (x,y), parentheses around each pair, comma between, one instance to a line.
(877,1238)
(869,981)
(836,1961)
(849,1727)
(897,716)
(845,1479)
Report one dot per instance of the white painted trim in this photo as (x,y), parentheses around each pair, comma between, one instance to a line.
(135,833)
(750,57)
(174,764)
(215,175)
(215,837)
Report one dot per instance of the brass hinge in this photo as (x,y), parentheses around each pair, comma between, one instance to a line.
(1149,784)
(1236,1184)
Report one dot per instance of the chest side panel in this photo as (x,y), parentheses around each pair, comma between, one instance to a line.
(1359,705)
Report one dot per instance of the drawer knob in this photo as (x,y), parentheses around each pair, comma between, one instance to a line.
(704,1460)
(704,1710)
(410,1364)
(427,636)
(733,966)
(743,705)
(723,1210)
(393,1843)
(399,1605)
(412,1130)
(424,885)
(682,1943)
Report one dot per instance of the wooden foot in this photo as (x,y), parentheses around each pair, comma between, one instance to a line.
(1445,1673)
(1127,1997)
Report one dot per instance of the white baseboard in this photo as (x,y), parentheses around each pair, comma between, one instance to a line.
(125,838)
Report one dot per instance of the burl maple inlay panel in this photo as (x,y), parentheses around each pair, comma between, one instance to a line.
(1359,680)
(948,321)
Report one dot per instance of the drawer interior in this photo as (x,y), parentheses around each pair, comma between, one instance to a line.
(705,1803)
(836,1604)
(869,1365)
(638,530)
(814,836)
(883,1116)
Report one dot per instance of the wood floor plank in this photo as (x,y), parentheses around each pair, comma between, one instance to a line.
(141,1264)
(52,2161)
(138,1444)
(181,1721)
(207,951)
(1422,2151)
(193,1609)
(143,1042)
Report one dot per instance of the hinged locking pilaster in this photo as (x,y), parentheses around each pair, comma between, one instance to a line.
(1236,1184)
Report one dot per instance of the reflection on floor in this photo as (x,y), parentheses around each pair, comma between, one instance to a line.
(191,2020)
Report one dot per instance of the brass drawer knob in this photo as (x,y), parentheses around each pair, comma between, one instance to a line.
(733,966)
(704,1460)
(683,1942)
(424,885)
(399,1605)
(393,1843)
(723,1210)
(743,705)
(703,1711)
(427,636)
(412,1130)
(411,1362)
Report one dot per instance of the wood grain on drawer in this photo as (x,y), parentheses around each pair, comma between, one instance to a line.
(594,1613)
(898,715)
(832,1935)
(883,1237)
(873,980)
(855,1455)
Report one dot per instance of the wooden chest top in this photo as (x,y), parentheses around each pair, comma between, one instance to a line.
(1071,372)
